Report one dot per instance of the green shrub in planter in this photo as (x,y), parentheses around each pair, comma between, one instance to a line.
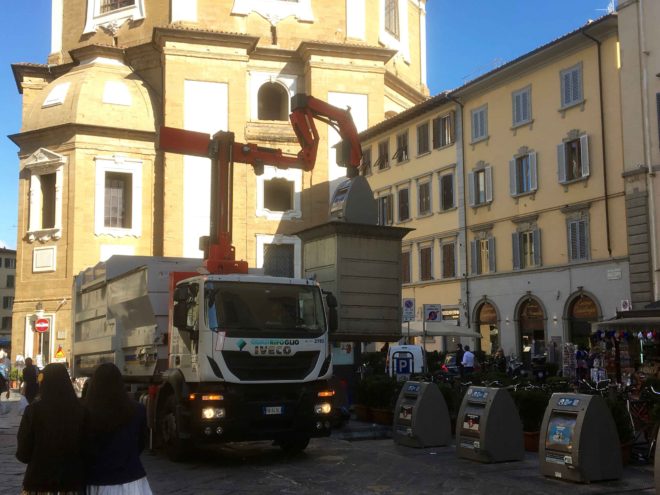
(15,375)
(381,391)
(531,407)
(374,362)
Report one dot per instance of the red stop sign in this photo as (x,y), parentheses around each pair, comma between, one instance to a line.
(42,325)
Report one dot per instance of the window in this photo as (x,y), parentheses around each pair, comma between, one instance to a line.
(403,204)
(7,302)
(571,86)
(483,255)
(110,5)
(118,200)
(522,106)
(449,260)
(480,186)
(278,260)
(401,147)
(273,102)
(426,262)
(278,194)
(479,123)
(446,192)
(423,138)
(578,240)
(112,14)
(522,174)
(10,263)
(405,267)
(443,130)
(385,210)
(366,161)
(6,322)
(392,18)
(573,159)
(383,161)
(424,197)
(46,170)
(526,249)
(10,281)
(118,196)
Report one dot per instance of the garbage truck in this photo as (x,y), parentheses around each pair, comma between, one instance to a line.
(217,352)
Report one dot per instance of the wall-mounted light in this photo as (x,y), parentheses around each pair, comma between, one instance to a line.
(554,319)
(507,320)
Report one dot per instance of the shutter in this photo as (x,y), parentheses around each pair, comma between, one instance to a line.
(583,239)
(566,95)
(474,248)
(561,163)
(584,154)
(436,132)
(516,108)
(515,243)
(536,233)
(489,184)
(525,106)
(573,240)
(390,210)
(577,82)
(513,179)
(533,175)
(484,124)
(470,188)
(657,104)
(491,255)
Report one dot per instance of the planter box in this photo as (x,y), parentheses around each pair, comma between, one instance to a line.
(362,412)
(531,440)
(382,416)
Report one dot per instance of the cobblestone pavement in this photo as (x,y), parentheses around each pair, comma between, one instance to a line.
(336,465)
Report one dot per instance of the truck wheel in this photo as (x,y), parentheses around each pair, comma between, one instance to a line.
(294,445)
(176,448)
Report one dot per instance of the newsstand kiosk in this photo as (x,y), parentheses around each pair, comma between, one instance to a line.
(421,416)
(488,426)
(579,441)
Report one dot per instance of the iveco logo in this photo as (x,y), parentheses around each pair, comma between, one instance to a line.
(241,343)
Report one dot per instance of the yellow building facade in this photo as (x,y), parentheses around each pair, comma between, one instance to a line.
(535,229)
(92,181)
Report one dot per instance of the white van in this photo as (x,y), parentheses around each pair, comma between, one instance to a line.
(405,360)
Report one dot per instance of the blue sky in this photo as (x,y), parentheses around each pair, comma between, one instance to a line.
(465,39)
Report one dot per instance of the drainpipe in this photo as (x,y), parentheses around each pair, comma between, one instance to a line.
(603,147)
(460,160)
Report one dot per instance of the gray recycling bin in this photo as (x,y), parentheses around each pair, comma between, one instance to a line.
(421,416)
(488,426)
(579,441)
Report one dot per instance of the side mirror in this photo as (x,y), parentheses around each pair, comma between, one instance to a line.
(181,294)
(333,318)
(180,314)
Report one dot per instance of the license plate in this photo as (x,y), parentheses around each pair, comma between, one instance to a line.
(272,410)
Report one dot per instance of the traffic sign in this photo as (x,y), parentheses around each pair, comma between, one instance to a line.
(432,312)
(42,325)
(408,313)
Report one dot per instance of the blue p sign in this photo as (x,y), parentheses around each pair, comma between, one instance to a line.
(403,365)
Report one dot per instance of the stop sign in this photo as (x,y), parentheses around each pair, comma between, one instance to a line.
(42,325)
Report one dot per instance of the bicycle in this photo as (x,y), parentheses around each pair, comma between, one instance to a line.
(602,387)
(645,430)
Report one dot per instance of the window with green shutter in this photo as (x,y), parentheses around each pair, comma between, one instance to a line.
(578,240)
(522,106)
(571,86)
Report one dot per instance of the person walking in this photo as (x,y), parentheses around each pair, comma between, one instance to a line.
(51,437)
(117,433)
(468,361)
(459,358)
(500,361)
(30,380)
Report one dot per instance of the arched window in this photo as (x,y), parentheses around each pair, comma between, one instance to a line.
(273,102)
(531,323)
(488,327)
(581,312)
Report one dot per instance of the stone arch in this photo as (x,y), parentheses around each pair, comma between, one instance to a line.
(273,101)
(531,318)
(486,318)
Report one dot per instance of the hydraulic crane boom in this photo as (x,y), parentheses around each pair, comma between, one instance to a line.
(224,152)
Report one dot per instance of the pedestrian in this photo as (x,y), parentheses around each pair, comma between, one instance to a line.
(500,361)
(459,358)
(468,361)
(51,437)
(30,380)
(116,436)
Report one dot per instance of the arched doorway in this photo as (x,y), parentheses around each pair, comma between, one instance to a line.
(581,312)
(531,323)
(488,327)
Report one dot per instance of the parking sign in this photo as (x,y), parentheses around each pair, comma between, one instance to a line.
(432,312)
(408,310)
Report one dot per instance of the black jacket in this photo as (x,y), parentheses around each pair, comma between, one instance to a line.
(114,457)
(52,448)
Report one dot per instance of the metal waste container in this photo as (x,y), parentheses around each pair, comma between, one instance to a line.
(421,416)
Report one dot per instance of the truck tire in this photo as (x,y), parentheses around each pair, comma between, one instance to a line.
(294,445)
(177,449)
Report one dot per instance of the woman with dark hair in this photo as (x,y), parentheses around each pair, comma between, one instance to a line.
(116,437)
(51,437)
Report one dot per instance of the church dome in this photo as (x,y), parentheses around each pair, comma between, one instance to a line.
(101,91)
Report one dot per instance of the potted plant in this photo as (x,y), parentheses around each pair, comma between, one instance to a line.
(531,407)
(15,377)
(381,394)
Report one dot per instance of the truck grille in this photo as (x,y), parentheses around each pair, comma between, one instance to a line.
(253,368)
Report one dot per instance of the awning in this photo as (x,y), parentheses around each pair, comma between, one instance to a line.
(438,329)
(640,321)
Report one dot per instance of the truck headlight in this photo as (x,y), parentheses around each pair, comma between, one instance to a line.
(323,408)
(213,413)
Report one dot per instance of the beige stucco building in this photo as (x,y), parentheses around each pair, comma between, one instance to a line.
(92,181)
(519,228)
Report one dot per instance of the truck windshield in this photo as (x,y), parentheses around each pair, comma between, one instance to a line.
(264,308)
